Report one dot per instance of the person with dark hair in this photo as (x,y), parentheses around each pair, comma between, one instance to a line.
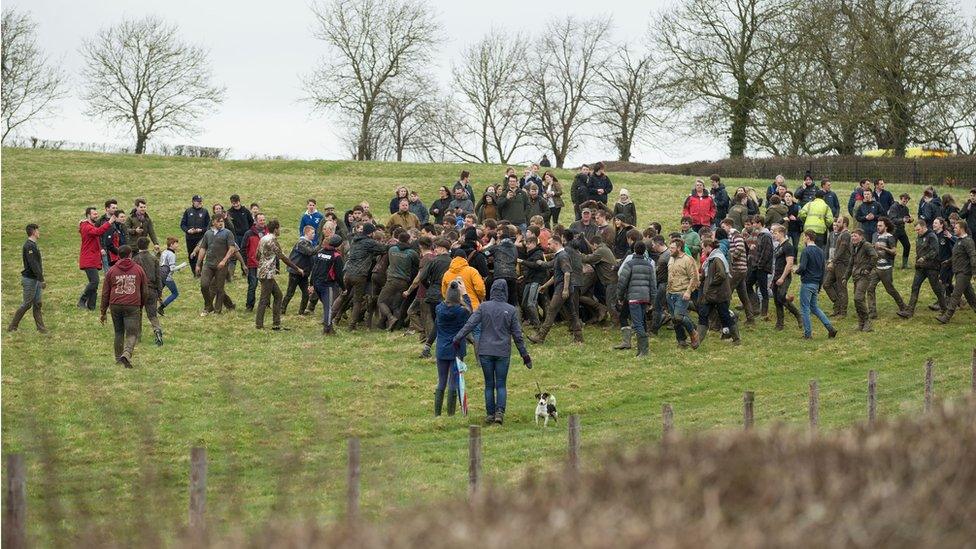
(249,251)
(818,216)
(926,267)
(699,208)
(499,325)
(805,192)
(738,267)
(882,196)
(830,197)
(90,256)
(364,249)
(857,195)
(784,255)
(682,282)
(947,240)
(124,293)
(111,208)
(963,269)
(930,207)
(838,264)
(195,222)
(32,280)
(636,289)
(301,255)
(512,203)
(404,263)
(885,244)
(461,204)
(599,185)
(761,269)
(325,278)
(114,238)
(464,181)
(440,206)
(552,191)
(564,293)
(715,293)
(154,286)
(868,213)
(900,216)
(580,190)
(168,267)
(739,212)
(269,254)
(811,271)
(721,198)
(968,213)
(214,252)
(864,258)
(311,218)
(140,224)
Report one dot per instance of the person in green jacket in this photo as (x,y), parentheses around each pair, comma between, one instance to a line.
(691,238)
(817,216)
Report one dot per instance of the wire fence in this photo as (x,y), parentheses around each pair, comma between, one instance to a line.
(211,490)
(953,171)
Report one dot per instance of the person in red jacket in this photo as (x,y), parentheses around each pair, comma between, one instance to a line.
(699,206)
(125,291)
(249,249)
(90,256)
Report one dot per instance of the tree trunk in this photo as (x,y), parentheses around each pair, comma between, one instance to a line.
(560,158)
(623,148)
(141,139)
(739,123)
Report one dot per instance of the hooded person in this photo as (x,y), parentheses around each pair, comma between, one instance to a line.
(451,315)
(124,294)
(499,325)
(474,284)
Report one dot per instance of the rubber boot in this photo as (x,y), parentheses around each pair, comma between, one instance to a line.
(15,322)
(452,400)
(500,416)
(626,335)
(734,332)
(910,308)
(946,316)
(904,263)
(641,345)
(698,337)
(438,402)
(765,310)
(779,319)
(867,325)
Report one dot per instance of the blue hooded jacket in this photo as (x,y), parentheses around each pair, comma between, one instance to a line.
(450,320)
(499,324)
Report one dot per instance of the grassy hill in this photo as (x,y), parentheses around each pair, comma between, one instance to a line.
(274,409)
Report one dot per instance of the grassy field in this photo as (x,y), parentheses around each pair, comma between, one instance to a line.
(274,409)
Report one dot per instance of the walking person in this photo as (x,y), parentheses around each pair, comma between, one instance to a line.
(739,265)
(811,271)
(901,217)
(838,265)
(111,207)
(450,317)
(682,282)
(301,255)
(167,268)
(564,293)
(636,289)
(140,224)
(926,267)
(761,269)
(864,257)
(885,244)
(154,286)
(124,294)
(818,216)
(195,222)
(783,258)
(325,278)
(214,252)
(963,269)
(499,325)
(249,250)
(90,256)
(32,280)
(269,254)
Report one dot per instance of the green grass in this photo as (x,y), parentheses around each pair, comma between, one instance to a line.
(275,409)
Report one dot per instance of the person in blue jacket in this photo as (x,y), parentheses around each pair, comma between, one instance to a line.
(313,218)
(451,315)
(499,326)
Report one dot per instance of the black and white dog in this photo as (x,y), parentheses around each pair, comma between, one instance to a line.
(546,408)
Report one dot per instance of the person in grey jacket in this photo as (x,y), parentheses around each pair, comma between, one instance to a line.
(637,288)
(499,326)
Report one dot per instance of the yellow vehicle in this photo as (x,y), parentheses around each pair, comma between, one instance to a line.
(911,152)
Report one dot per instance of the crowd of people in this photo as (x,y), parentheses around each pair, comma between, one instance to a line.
(474,269)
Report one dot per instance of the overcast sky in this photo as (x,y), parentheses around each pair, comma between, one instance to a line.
(259,54)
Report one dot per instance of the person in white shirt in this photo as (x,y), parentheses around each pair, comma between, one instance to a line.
(168,266)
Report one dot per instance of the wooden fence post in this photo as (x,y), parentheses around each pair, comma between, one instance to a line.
(574,444)
(474,459)
(15,503)
(928,385)
(352,480)
(747,415)
(198,489)
(974,370)
(872,396)
(667,414)
(814,404)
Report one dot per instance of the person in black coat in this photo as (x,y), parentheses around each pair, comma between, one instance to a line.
(599,185)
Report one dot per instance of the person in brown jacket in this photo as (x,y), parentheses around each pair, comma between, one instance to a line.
(124,292)
(154,282)
(716,291)
(864,259)
(838,264)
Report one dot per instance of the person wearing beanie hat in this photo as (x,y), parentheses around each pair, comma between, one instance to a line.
(625,207)
(451,314)
(325,278)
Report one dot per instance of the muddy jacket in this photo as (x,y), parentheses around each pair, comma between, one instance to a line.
(764,252)
(864,258)
(145,223)
(776,214)
(604,263)
(716,286)
(841,258)
(150,266)
(363,251)
(534,267)
(927,251)
(404,262)
(125,284)
(964,256)
(506,256)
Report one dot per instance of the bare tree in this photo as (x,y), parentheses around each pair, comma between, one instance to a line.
(718,54)
(372,43)
(30,84)
(405,113)
(491,115)
(565,64)
(919,56)
(140,75)
(626,99)
(788,121)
